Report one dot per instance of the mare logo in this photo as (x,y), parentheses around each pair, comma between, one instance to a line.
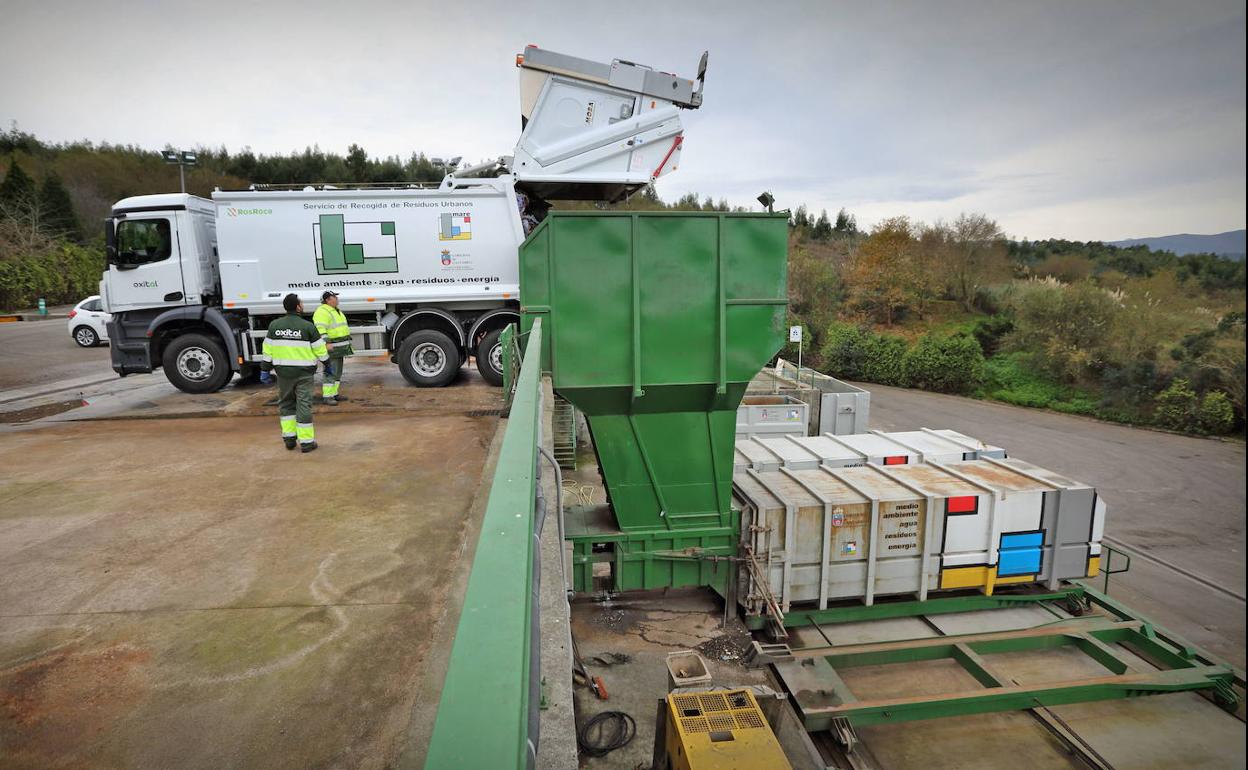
(455,227)
(247,212)
(354,247)
(145,284)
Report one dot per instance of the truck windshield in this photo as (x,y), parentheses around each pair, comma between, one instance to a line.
(140,241)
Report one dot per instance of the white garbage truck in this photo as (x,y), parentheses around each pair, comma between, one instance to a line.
(428,276)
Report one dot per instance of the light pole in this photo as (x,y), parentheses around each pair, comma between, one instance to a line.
(447,166)
(181,159)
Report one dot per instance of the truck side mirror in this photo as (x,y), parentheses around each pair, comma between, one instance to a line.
(110,241)
(696,98)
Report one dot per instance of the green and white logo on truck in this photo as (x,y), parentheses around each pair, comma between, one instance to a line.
(354,247)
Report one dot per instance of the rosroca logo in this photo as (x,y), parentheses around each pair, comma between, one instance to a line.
(231,211)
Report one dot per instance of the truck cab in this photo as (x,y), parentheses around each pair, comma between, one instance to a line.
(162,275)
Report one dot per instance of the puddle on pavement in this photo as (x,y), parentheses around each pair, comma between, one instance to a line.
(32,413)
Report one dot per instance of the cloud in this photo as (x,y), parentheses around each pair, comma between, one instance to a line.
(1072,119)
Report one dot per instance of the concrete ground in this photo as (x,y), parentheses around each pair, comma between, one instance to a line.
(180,591)
(33,352)
(1177,499)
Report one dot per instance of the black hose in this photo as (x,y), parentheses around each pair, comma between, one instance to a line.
(622,730)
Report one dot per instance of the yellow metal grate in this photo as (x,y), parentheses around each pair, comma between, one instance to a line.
(694,725)
(709,730)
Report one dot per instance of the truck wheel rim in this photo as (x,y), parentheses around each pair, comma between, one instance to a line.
(195,364)
(85,336)
(496,357)
(428,359)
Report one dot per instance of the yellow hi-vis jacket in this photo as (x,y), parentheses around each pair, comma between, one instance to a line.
(332,325)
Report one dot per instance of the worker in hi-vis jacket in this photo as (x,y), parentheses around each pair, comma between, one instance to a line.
(332,325)
(292,348)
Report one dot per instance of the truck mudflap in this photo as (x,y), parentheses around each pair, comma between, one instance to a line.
(128,354)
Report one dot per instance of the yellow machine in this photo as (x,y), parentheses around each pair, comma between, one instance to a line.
(721,730)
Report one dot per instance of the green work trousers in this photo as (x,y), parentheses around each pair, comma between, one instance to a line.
(294,405)
(332,380)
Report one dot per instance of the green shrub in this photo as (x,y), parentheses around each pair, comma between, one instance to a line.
(1215,415)
(883,359)
(65,274)
(1068,329)
(843,351)
(990,331)
(1176,406)
(946,364)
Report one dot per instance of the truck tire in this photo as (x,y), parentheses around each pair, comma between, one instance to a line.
(429,359)
(196,363)
(490,357)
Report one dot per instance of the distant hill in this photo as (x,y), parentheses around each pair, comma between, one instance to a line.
(1228,244)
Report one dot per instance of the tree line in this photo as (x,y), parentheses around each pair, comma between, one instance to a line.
(1120,333)
(1087,328)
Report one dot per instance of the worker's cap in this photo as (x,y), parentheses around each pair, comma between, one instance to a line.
(326,295)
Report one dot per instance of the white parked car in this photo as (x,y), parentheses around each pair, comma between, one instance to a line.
(88,323)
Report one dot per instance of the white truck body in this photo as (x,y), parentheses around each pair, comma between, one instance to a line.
(376,248)
(428,275)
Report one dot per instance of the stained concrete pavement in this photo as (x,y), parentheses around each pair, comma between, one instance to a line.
(183,592)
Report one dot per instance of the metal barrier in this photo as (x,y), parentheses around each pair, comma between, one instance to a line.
(488,713)
(1107,562)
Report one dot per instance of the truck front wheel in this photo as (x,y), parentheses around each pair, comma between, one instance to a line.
(428,358)
(490,357)
(196,363)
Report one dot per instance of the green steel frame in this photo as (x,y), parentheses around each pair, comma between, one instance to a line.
(646,560)
(969,602)
(489,696)
(1172,664)
(822,698)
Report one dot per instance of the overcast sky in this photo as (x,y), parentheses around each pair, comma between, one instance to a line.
(1085,119)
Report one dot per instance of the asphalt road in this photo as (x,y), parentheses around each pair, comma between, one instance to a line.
(1178,501)
(32,352)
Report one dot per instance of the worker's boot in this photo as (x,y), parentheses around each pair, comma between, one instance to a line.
(290,441)
(308,447)
(330,401)
(341,397)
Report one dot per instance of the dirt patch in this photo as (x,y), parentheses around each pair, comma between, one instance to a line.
(730,646)
(63,701)
(32,413)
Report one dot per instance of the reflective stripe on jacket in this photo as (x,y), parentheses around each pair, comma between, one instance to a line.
(332,324)
(292,343)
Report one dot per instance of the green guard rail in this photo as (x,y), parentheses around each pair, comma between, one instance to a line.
(489,699)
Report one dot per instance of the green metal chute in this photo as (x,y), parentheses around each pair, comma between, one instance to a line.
(656,322)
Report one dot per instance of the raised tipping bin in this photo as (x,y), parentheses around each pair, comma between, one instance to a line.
(656,322)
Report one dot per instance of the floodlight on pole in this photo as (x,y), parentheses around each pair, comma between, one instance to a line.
(181,159)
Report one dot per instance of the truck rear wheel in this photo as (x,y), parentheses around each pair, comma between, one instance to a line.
(429,359)
(196,363)
(490,357)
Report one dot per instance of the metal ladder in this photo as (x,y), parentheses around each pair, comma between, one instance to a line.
(564,422)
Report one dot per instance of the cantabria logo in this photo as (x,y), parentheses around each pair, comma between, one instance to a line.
(247,212)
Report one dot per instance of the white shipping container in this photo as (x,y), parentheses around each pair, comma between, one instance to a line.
(877,448)
(827,534)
